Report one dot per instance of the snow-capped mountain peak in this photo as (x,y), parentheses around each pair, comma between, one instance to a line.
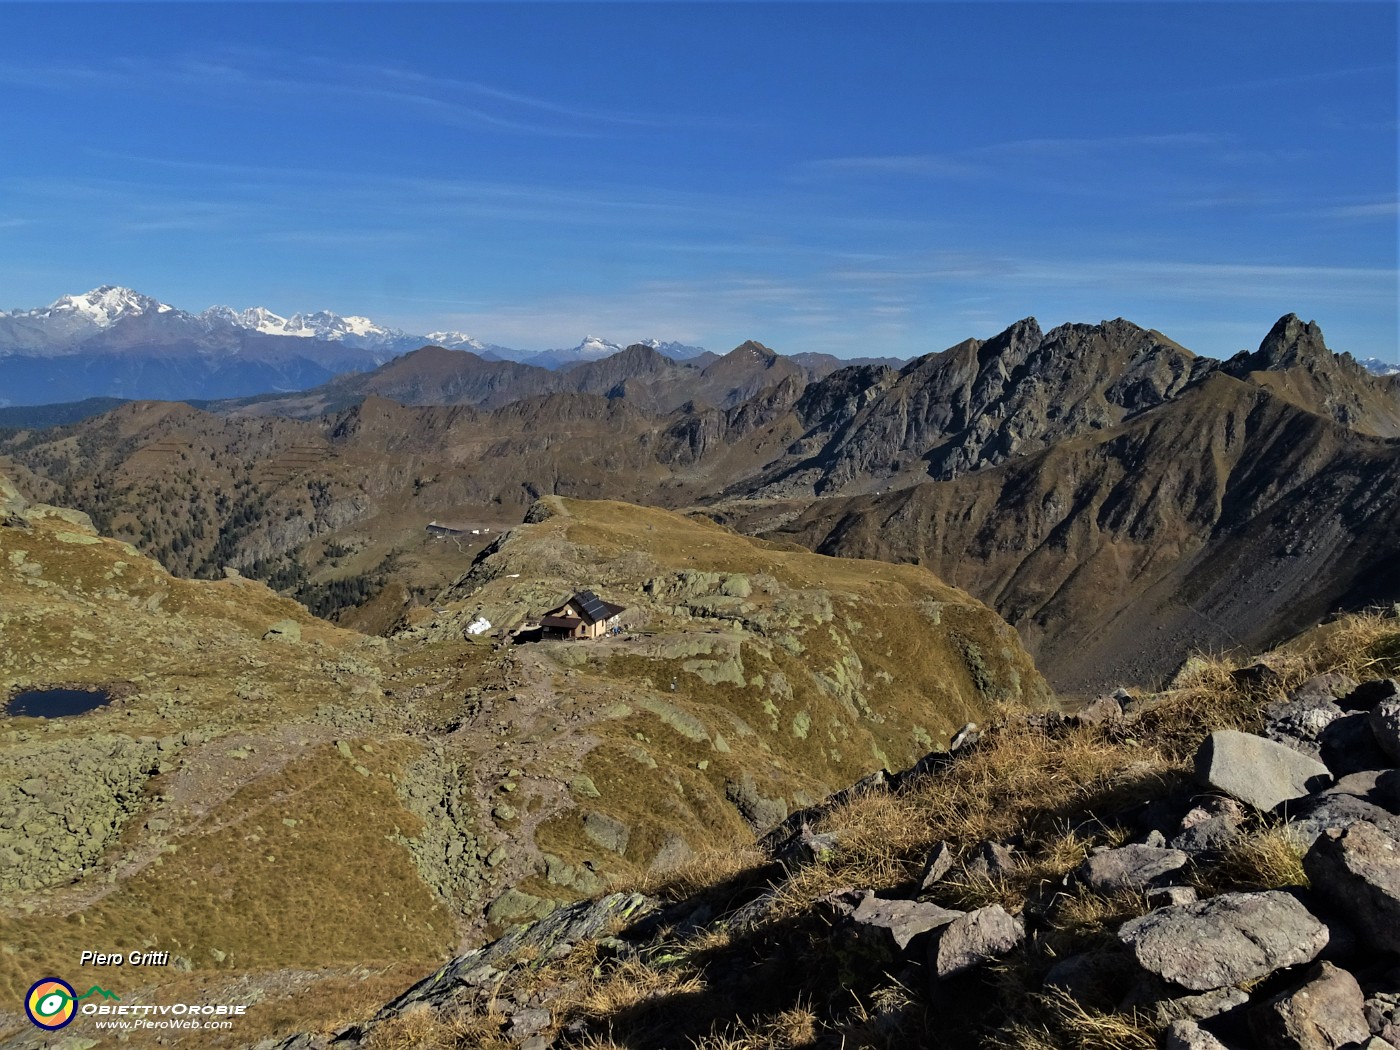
(593,346)
(455,341)
(104,307)
(1376,366)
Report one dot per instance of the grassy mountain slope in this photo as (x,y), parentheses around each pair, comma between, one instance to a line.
(306,816)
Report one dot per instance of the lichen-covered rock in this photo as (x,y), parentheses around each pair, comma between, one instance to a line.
(757,809)
(606,832)
(1225,940)
(283,631)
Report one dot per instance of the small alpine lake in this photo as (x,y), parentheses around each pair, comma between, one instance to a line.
(56,703)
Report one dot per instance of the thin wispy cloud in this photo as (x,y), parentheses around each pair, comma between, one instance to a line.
(1377,211)
(254,77)
(976,162)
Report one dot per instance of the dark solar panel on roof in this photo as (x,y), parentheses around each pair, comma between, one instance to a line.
(593,607)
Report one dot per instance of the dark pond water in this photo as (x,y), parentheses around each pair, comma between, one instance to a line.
(56,703)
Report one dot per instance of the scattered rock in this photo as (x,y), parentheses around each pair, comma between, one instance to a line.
(1300,721)
(806,847)
(974,939)
(1357,871)
(940,862)
(1258,676)
(1329,686)
(1368,694)
(1225,940)
(606,832)
(1104,710)
(1166,896)
(1188,1035)
(1257,771)
(1129,867)
(901,922)
(583,787)
(1312,816)
(992,861)
(1324,1013)
(1349,745)
(525,1023)
(1211,826)
(758,810)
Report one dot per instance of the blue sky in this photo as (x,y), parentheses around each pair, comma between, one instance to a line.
(848,178)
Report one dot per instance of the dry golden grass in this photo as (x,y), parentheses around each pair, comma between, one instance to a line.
(1268,859)
(704,871)
(1086,914)
(428,1029)
(1018,781)
(1062,1023)
(1205,695)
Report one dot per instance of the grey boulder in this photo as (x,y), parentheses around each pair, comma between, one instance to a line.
(1255,770)
(1225,940)
(1357,870)
(974,939)
(1130,868)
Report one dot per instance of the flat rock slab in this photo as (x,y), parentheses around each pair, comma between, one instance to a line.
(1130,867)
(974,939)
(1357,870)
(1326,1012)
(1225,940)
(902,921)
(1255,770)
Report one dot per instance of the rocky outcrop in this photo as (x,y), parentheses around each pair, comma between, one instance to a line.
(63,804)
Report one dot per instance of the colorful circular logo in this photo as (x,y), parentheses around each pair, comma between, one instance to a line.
(51,1003)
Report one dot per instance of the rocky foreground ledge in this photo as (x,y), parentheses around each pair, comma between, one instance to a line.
(1255,904)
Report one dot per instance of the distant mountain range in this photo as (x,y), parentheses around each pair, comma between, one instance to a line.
(116,342)
(1114,496)
(1376,366)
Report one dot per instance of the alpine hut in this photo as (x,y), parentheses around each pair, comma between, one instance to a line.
(585,615)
